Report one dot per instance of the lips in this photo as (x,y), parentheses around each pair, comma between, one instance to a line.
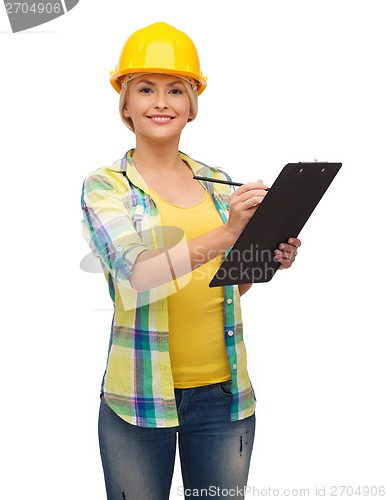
(161,118)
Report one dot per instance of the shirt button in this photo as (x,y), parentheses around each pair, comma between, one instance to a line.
(229,301)
(234,366)
(230,333)
(119,248)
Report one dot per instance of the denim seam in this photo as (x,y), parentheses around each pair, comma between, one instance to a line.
(222,391)
(182,464)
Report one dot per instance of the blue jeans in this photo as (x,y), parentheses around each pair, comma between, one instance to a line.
(215,453)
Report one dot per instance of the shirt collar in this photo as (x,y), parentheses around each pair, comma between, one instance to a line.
(126,165)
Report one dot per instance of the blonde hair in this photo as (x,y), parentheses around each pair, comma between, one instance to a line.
(192,94)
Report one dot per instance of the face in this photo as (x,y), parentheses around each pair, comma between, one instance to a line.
(158,105)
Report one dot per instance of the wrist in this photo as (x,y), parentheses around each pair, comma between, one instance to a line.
(230,236)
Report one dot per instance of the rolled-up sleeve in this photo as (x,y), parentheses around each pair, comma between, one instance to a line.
(108,228)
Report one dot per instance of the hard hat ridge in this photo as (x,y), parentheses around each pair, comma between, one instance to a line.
(128,78)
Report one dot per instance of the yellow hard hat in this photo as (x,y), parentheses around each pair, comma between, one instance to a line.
(159,48)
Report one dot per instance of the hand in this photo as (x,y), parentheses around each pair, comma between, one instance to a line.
(287,252)
(243,205)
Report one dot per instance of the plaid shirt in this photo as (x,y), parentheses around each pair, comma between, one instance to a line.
(121,220)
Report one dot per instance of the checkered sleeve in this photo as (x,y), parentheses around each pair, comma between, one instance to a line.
(108,228)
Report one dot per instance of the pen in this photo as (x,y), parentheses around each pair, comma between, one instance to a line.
(221,181)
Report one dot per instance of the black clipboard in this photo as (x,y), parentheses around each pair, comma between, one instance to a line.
(282,214)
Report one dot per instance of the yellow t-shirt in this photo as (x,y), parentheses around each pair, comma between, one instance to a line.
(196,332)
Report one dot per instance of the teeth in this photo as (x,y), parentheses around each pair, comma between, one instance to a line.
(161,118)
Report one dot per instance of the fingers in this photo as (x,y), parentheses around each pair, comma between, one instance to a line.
(244,202)
(249,195)
(287,252)
(250,185)
(285,263)
(295,242)
(251,199)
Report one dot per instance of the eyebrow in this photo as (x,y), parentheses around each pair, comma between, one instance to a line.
(149,82)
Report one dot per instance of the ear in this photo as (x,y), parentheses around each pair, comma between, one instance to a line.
(126,112)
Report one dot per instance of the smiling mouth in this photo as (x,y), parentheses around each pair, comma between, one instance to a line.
(160,118)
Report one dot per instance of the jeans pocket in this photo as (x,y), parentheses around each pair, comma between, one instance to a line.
(225,388)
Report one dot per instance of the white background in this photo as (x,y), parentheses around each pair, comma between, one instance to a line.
(289,80)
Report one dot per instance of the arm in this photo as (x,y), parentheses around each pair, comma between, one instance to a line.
(244,287)
(156,267)
(109,229)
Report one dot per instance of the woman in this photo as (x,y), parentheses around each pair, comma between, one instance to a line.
(176,362)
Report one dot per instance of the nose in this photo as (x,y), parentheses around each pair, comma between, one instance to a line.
(161,101)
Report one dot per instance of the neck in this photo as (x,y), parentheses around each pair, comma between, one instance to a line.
(149,155)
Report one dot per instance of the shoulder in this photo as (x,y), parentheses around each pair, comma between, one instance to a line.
(216,172)
(205,170)
(104,178)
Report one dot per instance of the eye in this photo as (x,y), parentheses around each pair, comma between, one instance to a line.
(145,90)
(176,91)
